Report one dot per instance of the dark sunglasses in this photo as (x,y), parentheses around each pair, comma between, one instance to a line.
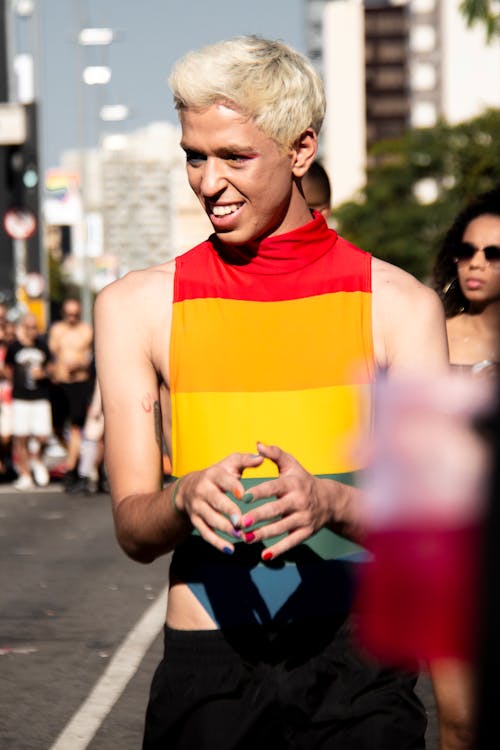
(466,251)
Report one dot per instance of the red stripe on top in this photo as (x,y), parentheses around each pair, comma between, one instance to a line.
(275,272)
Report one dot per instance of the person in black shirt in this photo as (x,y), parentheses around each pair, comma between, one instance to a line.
(28,360)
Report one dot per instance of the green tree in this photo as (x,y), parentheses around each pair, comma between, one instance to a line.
(391,219)
(481,11)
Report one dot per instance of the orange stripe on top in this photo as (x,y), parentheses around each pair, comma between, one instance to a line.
(312,342)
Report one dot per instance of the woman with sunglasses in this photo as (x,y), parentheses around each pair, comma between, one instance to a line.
(466,276)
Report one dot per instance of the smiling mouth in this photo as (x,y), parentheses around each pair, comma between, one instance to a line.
(225,210)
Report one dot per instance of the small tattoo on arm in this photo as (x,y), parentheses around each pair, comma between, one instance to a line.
(147,402)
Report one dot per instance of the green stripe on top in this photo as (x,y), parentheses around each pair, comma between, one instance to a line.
(325,543)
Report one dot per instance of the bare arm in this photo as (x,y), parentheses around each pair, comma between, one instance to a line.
(146,523)
(132,323)
(53,341)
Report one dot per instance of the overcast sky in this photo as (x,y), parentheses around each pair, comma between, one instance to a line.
(152,34)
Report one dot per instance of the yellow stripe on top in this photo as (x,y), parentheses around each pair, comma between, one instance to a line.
(318,426)
(309,342)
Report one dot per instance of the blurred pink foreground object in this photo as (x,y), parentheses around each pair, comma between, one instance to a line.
(426,495)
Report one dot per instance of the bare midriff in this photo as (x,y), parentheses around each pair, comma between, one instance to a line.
(184,611)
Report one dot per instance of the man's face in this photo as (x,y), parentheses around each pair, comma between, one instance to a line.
(30,328)
(241,177)
(71,313)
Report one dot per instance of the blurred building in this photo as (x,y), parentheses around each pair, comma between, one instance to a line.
(149,212)
(388,66)
(136,206)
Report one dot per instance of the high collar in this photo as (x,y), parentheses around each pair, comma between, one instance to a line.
(281,253)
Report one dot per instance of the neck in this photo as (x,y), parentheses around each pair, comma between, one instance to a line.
(282,252)
(485,316)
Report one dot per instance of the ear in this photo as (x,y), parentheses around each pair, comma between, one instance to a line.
(304,152)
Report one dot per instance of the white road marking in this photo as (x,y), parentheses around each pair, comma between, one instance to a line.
(83,726)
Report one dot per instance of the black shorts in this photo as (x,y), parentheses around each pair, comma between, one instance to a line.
(70,402)
(297,687)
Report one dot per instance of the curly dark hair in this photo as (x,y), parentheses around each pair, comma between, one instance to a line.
(444,274)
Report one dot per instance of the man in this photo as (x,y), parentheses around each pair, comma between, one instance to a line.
(257,351)
(28,361)
(70,341)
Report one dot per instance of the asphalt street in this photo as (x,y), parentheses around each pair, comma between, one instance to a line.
(69,598)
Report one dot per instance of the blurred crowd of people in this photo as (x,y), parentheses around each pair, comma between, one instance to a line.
(51,421)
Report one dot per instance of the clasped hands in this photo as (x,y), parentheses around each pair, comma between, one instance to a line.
(300,509)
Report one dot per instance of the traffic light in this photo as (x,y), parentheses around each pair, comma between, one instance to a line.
(22,175)
(21,181)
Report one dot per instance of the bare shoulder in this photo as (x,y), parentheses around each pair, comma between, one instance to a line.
(137,285)
(136,309)
(406,314)
(393,285)
(144,287)
(86,330)
(56,328)
(133,314)
(55,332)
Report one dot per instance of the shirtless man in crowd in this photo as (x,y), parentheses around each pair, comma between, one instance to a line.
(71,341)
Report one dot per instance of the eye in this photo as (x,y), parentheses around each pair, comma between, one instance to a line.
(236,157)
(194,157)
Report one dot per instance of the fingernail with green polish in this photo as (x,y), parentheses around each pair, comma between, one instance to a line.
(247,497)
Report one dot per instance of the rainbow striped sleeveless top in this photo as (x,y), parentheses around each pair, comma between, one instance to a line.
(275,347)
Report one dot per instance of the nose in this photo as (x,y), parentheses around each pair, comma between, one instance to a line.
(213,179)
(478,260)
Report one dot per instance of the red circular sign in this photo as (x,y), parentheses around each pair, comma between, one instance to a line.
(19,223)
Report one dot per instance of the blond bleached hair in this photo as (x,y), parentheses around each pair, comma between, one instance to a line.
(265,80)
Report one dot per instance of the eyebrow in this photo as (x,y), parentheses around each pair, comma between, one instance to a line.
(222,152)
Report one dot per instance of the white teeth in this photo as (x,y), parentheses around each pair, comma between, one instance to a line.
(224,210)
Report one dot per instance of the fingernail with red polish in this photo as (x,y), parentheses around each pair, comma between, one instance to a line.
(248,521)
(249,536)
(267,556)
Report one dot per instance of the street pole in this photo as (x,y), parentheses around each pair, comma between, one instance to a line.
(88,76)
(7,281)
(20,209)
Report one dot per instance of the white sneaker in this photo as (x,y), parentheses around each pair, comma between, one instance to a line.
(40,473)
(24,482)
